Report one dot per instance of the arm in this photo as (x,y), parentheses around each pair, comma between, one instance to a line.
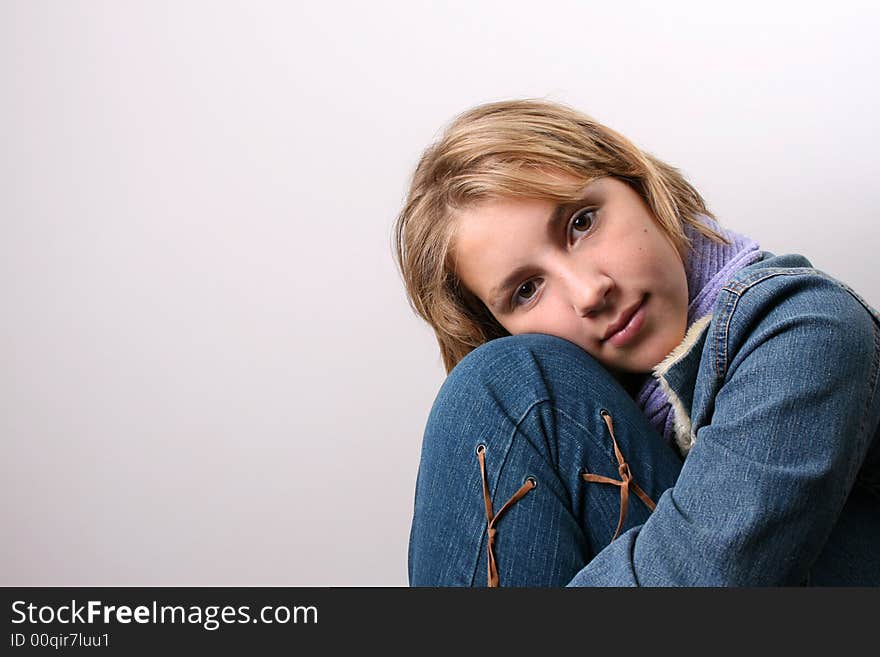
(769,473)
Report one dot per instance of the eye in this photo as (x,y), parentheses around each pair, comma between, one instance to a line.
(582,221)
(525,292)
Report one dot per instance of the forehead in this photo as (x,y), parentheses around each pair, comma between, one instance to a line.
(505,226)
(497,237)
(486,218)
(501,221)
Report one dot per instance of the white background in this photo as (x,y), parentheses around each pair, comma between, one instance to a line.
(209,374)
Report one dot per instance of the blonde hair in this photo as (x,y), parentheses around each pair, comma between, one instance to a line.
(506,150)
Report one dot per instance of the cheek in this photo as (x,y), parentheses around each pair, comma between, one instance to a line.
(565,325)
(548,318)
(667,269)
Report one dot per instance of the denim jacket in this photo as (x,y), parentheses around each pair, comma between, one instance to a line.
(776,403)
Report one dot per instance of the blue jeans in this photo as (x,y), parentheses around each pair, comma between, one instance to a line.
(531,451)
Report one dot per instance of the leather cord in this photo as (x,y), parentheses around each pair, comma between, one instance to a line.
(626,481)
(492,519)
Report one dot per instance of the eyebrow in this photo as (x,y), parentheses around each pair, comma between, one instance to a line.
(497,293)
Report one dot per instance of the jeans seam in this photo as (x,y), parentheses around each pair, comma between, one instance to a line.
(494,489)
(509,445)
(643,469)
(597,442)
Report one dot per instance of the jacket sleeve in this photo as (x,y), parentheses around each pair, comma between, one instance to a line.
(769,473)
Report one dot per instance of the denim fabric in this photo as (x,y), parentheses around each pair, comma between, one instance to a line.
(534,401)
(780,487)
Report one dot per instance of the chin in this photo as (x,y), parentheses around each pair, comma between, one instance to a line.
(645,362)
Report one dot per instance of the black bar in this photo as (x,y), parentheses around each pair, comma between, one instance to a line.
(333,619)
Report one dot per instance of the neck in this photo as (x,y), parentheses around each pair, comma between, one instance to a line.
(631,381)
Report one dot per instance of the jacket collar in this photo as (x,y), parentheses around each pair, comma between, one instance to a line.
(677,375)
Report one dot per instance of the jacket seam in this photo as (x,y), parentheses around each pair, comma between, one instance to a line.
(737,288)
(872,379)
(722,338)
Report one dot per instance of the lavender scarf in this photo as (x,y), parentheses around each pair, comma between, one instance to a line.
(709,267)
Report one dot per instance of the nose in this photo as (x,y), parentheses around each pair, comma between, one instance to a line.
(588,291)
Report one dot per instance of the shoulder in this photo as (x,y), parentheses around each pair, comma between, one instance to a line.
(789,280)
(785,297)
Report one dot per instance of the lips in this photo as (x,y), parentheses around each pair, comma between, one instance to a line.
(623,320)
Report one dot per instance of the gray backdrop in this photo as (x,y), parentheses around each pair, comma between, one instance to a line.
(210,375)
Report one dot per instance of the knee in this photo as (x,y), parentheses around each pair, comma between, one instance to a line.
(519,370)
(530,404)
(498,384)
(520,350)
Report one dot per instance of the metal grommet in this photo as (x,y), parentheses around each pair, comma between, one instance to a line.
(603,412)
(533,480)
(480,448)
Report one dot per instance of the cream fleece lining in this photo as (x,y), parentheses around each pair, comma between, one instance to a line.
(684,437)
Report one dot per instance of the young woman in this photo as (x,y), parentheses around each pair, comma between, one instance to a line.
(636,395)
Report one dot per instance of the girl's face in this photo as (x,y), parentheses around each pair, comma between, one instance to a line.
(579,272)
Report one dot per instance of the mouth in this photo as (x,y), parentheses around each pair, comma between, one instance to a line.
(627,325)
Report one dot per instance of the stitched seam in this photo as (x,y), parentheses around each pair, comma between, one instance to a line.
(737,286)
(875,366)
(531,407)
(867,306)
(494,488)
(722,338)
(609,454)
(736,289)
